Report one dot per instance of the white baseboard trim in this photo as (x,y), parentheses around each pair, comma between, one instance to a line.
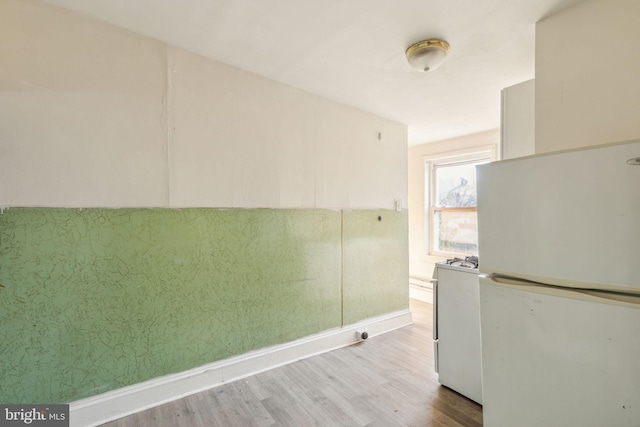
(119,403)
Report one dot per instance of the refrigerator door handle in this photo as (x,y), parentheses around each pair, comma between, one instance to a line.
(604,296)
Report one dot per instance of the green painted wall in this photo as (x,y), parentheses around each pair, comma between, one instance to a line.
(96,299)
(375,262)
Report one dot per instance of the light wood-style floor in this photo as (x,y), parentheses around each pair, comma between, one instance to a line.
(387,380)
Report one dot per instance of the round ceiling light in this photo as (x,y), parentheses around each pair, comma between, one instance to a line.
(427,55)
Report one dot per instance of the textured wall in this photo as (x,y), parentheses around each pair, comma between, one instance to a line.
(96,299)
(376,267)
(98,117)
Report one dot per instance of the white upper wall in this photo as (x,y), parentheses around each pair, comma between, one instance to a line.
(95,116)
(82,114)
(238,139)
(587,68)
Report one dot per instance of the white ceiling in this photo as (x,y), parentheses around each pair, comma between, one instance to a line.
(352,51)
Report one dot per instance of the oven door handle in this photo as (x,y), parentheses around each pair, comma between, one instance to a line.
(435,309)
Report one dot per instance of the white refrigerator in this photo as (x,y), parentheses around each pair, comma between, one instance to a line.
(559,250)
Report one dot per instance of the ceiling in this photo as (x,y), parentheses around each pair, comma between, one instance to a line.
(352,51)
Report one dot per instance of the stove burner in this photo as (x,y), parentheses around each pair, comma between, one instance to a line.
(469,262)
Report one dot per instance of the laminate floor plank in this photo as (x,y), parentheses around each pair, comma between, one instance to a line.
(387,380)
(349,406)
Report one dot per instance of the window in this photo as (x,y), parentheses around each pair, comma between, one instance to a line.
(452,211)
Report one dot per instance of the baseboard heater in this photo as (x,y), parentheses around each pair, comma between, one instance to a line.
(421,282)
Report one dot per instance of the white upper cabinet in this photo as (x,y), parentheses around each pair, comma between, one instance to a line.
(517,136)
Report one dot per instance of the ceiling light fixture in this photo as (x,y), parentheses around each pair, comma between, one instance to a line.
(427,55)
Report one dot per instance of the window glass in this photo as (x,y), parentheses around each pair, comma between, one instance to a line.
(456,185)
(456,232)
(453,207)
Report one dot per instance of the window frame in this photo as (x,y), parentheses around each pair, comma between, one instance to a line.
(431,164)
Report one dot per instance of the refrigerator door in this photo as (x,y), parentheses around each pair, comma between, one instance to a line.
(558,357)
(569,218)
